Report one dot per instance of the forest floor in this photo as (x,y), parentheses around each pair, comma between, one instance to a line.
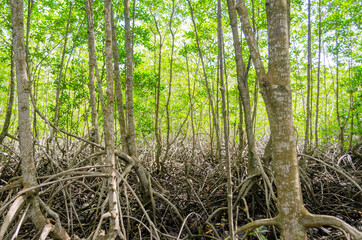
(195,204)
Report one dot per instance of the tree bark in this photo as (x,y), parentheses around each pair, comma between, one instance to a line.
(24,122)
(293,219)
(189,165)
(118,90)
(307,124)
(131,132)
(91,64)
(243,90)
(167,107)
(318,74)
(114,226)
(275,89)
(9,106)
(225,120)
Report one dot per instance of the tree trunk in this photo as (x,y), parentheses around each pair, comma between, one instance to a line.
(225,119)
(293,219)
(118,90)
(243,90)
(113,194)
(318,74)
(24,122)
(275,89)
(61,68)
(168,142)
(189,165)
(340,124)
(91,86)
(307,125)
(9,106)
(209,93)
(131,132)
(157,98)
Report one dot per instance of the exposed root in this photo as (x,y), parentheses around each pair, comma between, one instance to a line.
(256,224)
(12,213)
(73,189)
(311,220)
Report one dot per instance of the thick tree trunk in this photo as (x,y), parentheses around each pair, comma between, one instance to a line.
(25,133)
(275,89)
(278,100)
(293,219)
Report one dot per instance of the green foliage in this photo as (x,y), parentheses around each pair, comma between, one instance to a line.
(341,34)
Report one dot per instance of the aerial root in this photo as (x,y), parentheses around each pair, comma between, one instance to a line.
(311,220)
(256,224)
(308,221)
(46,230)
(12,213)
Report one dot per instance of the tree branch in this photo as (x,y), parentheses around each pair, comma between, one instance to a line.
(250,38)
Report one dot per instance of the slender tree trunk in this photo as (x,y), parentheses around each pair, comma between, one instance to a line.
(30,9)
(307,125)
(226,89)
(35,94)
(192,162)
(341,126)
(326,99)
(118,90)
(131,132)
(57,107)
(240,127)
(209,93)
(114,226)
(168,144)
(157,98)
(351,100)
(243,90)
(225,119)
(318,74)
(9,106)
(91,63)
(255,99)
